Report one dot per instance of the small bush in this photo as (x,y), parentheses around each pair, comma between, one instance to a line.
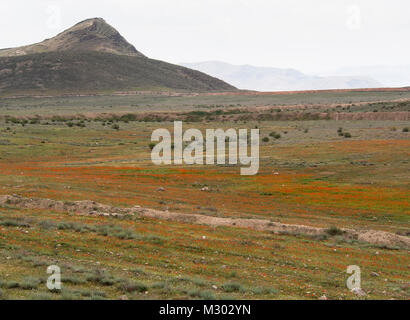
(334,231)
(347,135)
(232,287)
(14,223)
(207,295)
(265,139)
(69,295)
(115,126)
(29,283)
(263,290)
(152,145)
(406,129)
(11,285)
(47,224)
(199,282)
(116,231)
(72,279)
(134,287)
(158,285)
(275,135)
(41,296)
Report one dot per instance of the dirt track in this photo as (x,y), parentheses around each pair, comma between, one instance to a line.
(88,207)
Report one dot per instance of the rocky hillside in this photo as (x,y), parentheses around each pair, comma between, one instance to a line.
(90,57)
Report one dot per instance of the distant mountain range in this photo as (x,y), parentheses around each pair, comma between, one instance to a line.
(276,79)
(390,76)
(91,57)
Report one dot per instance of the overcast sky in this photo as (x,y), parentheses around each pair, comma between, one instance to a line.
(309,35)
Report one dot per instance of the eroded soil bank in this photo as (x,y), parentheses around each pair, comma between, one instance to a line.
(88,207)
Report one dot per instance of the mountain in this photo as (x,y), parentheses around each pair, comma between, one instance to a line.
(391,76)
(90,57)
(89,35)
(276,79)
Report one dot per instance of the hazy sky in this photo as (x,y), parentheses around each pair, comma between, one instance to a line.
(309,35)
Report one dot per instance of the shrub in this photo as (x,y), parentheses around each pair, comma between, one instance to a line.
(29,283)
(199,282)
(231,287)
(14,223)
(334,231)
(69,295)
(11,285)
(275,135)
(76,226)
(347,135)
(265,139)
(152,145)
(115,126)
(406,129)
(103,278)
(41,296)
(72,279)
(134,287)
(116,231)
(47,224)
(158,285)
(207,295)
(263,290)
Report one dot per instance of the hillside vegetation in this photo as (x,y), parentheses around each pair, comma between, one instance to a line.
(93,57)
(96,71)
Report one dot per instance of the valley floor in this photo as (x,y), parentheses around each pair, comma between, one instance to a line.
(310,175)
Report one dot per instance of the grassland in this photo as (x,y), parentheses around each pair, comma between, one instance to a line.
(311,173)
(70,105)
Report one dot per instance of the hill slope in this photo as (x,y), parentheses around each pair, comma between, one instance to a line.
(275,79)
(88,35)
(90,57)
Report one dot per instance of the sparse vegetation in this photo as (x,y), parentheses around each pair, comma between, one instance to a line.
(315,179)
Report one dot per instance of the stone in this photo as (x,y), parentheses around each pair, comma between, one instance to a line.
(359,292)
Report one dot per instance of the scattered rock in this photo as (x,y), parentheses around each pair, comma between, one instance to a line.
(161,189)
(359,292)
(323,297)
(124,297)
(374,274)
